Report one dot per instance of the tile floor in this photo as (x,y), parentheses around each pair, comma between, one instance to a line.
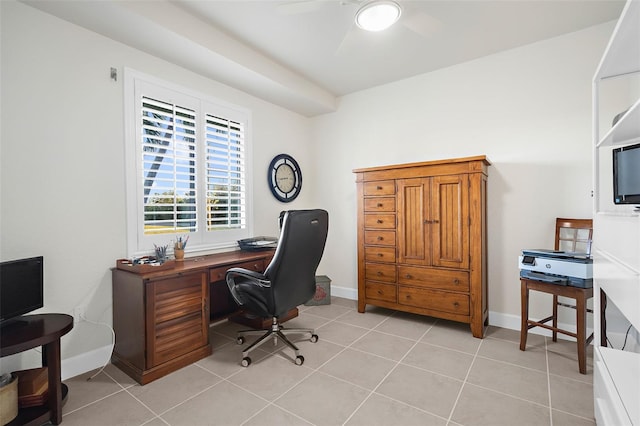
(378,368)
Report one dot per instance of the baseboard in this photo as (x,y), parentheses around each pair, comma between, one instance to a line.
(85,362)
(346,292)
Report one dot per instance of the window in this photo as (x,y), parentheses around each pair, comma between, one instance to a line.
(187,168)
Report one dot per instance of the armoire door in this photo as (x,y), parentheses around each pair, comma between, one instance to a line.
(413,232)
(449,221)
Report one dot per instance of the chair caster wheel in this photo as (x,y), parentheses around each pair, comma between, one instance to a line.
(314,338)
(299,360)
(246,361)
(240,340)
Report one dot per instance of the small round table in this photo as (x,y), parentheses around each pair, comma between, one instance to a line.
(27,332)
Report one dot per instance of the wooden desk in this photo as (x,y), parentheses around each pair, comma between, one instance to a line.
(161,318)
(28,332)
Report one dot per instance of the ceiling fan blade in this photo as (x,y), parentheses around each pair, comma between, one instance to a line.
(422,24)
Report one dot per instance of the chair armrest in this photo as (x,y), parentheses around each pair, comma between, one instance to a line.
(247,275)
(247,279)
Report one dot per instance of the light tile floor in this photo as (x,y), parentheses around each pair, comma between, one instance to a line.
(378,368)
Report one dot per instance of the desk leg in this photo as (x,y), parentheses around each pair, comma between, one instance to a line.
(51,359)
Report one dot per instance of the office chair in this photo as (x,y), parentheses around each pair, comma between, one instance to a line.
(288,281)
(572,235)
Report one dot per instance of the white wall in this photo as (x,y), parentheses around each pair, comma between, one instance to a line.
(62,160)
(62,154)
(527,109)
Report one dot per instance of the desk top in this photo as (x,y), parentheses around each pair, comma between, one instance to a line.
(216,260)
(30,331)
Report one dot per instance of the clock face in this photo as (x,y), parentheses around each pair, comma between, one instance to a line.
(284,178)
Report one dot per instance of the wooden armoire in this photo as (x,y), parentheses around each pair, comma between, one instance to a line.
(422,243)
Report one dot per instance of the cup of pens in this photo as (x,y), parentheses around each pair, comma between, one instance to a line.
(178,248)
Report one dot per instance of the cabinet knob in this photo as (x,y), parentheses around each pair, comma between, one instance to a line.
(456,281)
(379,274)
(379,204)
(379,188)
(379,221)
(380,254)
(408,276)
(379,292)
(380,238)
(456,304)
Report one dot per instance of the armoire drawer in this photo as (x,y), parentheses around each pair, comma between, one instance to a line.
(380,291)
(433,299)
(380,204)
(380,254)
(434,278)
(380,238)
(380,272)
(380,187)
(380,221)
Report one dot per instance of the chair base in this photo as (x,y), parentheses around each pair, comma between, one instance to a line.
(256,322)
(274,332)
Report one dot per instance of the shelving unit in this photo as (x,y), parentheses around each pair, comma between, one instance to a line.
(616,247)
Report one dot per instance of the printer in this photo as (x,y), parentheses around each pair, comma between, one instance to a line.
(557,267)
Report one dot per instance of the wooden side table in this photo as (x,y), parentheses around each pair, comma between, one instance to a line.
(28,332)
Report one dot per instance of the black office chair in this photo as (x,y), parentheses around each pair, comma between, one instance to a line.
(288,281)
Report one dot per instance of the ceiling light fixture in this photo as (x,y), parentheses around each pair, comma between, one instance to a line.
(378,15)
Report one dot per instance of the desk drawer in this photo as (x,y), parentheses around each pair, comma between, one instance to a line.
(434,278)
(218,274)
(380,187)
(380,204)
(433,299)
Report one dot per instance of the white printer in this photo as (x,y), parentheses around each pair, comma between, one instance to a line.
(557,267)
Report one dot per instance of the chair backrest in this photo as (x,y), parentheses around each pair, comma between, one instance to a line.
(292,270)
(574,235)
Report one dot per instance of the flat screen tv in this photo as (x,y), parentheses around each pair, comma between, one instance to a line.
(626,175)
(21,287)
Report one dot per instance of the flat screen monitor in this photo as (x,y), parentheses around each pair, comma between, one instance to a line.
(21,287)
(626,175)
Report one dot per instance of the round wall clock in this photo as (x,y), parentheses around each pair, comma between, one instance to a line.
(284,177)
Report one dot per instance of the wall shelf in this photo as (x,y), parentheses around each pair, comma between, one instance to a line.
(626,131)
